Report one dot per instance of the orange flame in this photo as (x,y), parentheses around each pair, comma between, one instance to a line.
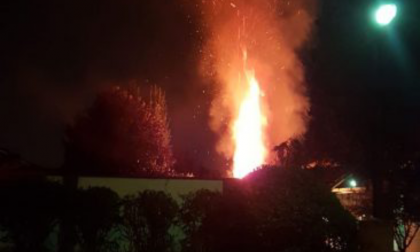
(248,131)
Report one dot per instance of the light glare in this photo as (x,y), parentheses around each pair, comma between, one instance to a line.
(353,183)
(385,14)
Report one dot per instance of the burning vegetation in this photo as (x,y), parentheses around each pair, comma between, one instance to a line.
(251,53)
(248,130)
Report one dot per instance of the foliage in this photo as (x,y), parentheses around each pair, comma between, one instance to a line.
(295,212)
(29,212)
(273,209)
(406,204)
(213,221)
(148,218)
(98,213)
(188,166)
(291,153)
(124,133)
(405,229)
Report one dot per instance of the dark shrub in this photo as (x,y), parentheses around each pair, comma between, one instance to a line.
(98,214)
(213,221)
(148,218)
(29,212)
(297,212)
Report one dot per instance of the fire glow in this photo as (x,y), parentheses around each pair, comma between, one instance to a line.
(248,132)
(260,98)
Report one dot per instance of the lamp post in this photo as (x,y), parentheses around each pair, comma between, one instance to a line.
(384,15)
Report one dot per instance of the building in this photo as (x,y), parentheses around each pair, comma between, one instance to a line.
(356,195)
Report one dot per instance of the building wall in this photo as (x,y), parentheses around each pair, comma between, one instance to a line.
(131,186)
(357,201)
(126,186)
(374,235)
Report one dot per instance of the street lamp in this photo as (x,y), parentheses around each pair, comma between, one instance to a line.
(353,183)
(385,13)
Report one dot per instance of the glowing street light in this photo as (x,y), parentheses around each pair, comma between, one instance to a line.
(353,183)
(385,13)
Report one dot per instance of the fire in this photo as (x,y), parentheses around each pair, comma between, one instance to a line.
(248,131)
(261,101)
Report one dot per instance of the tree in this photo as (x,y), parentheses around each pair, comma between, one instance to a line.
(148,218)
(188,166)
(291,153)
(296,212)
(405,229)
(97,215)
(123,133)
(29,212)
(213,221)
(406,204)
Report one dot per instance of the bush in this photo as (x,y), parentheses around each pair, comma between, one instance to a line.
(124,133)
(98,214)
(148,218)
(29,212)
(213,221)
(274,209)
(296,212)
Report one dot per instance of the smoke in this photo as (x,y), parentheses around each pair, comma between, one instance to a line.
(272,32)
(51,71)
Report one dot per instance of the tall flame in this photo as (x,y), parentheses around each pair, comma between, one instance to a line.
(259,102)
(248,130)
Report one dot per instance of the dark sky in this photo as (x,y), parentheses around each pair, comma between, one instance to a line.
(364,81)
(55,55)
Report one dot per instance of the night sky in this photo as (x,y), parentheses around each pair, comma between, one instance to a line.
(364,82)
(56,55)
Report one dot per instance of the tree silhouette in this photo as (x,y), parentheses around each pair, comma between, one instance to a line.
(148,217)
(213,221)
(124,133)
(405,200)
(291,153)
(29,212)
(294,211)
(97,214)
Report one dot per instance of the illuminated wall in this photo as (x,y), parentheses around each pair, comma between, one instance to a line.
(126,186)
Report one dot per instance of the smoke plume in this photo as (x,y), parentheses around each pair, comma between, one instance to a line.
(271,32)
